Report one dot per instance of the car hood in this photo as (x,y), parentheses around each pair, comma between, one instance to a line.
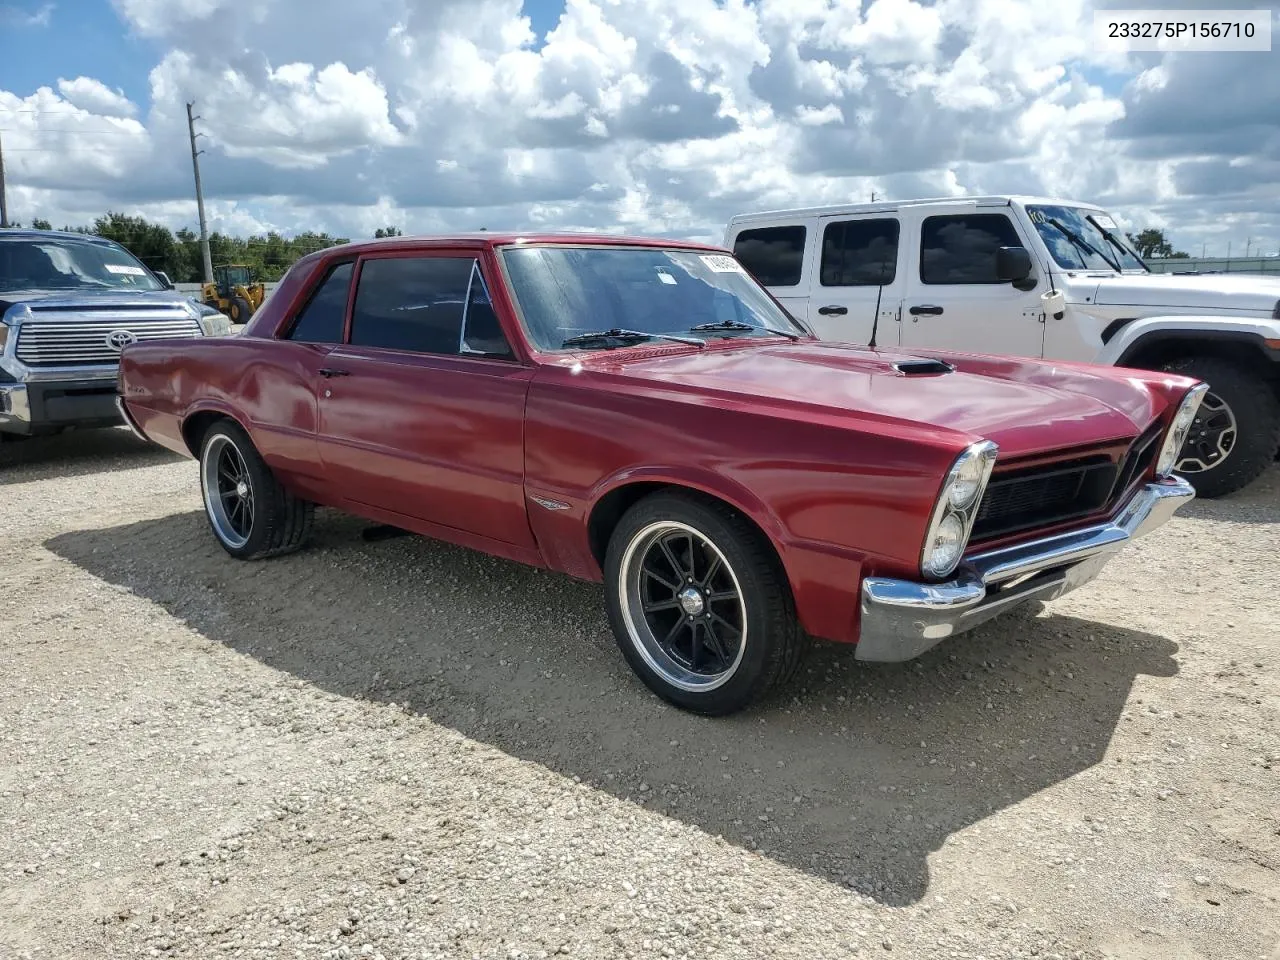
(1026,407)
(1233,292)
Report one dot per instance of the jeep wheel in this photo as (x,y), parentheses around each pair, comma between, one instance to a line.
(700,605)
(251,514)
(1236,432)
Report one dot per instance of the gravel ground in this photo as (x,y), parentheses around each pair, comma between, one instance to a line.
(401,749)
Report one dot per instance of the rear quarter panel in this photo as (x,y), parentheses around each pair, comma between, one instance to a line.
(836,503)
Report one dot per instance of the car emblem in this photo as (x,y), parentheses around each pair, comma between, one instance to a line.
(117,340)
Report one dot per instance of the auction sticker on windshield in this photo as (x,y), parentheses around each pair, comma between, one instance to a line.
(125,269)
(1102,220)
(722,264)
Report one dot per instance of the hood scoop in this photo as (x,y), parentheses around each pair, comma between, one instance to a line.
(922,367)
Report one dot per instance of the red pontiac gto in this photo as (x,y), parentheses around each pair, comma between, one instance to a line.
(644,413)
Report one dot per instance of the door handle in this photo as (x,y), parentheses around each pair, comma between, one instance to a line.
(833,311)
(327,372)
(926,310)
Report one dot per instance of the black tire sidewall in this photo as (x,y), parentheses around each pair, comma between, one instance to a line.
(239,310)
(262,487)
(757,580)
(1256,410)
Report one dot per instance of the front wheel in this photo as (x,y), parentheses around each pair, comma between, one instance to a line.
(1234,436)
(251,514)
(699,604)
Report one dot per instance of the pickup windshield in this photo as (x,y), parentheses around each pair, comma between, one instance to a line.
(565,291)
(59,263)
(1081,239)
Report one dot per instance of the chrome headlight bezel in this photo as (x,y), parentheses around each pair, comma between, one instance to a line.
(959,499)
(1176,435)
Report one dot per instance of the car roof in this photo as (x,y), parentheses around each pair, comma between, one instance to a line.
(892,206)
(486,238)
(25,233)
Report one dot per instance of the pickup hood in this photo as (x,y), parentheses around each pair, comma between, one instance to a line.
(93,299)
(1192,294)
(1026,407)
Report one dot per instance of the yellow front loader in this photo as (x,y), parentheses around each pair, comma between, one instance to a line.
(234,293)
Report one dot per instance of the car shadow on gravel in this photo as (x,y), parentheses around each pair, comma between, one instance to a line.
(1257,503)
(855,776)
(76,453)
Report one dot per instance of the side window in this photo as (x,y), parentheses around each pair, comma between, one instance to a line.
(481,331)
(773,255)
(860,253)
(411,303)
(320,320)
(962,248)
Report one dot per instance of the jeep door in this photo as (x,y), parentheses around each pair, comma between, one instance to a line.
(777,254)
(954,298)
(857,272)
(422,408)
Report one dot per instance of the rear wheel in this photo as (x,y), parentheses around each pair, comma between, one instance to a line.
(699,604)
(251,514)
(1236,431)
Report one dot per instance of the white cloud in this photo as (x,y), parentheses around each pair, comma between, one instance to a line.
(94,96)
(663,116)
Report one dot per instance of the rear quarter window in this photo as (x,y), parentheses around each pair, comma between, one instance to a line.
(773,255)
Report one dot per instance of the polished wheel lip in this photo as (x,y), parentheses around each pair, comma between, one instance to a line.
(642,637)
(1212,407)
(228,491)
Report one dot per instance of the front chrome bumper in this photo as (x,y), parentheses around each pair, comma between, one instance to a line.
(901,619)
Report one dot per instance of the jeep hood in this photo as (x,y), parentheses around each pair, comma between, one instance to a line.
(1026,407)
(1207,293)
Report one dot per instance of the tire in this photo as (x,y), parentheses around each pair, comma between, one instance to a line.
(1236,434)
(749,644)
(239,310)
(251,515)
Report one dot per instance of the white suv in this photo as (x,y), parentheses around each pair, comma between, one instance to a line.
(1033,277)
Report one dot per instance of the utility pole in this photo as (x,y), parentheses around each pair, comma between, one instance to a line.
(4,203)
(873,196)
(195,165)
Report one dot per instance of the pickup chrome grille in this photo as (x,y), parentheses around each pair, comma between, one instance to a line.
(1060,492)
(85,340)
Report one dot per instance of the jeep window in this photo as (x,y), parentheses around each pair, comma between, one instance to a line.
(1097,245)
(774,255)
(565,291)
(320,321)
(859,253)
(64,263)
(425,305)
(962,248)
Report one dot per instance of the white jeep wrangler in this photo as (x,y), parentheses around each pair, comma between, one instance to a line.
(1033,277)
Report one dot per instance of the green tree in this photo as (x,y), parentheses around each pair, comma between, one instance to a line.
(1151,243)
(39,224)
(383,232)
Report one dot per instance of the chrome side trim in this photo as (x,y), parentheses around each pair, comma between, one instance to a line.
(548,503)
(901,619)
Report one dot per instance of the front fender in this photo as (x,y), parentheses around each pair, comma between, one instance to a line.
(1133,337)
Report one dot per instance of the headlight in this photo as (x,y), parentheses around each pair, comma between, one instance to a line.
(1179,429)
(219,326)
(956,509)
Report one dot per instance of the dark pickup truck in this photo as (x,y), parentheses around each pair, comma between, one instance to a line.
(69,303)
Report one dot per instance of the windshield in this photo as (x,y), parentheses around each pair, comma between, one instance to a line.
(564,292)
(1082,239)
(58,263)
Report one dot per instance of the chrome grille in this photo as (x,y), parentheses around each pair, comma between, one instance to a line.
(80,340)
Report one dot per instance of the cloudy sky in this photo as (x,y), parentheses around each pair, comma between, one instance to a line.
(649,116)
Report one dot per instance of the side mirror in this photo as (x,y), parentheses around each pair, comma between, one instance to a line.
(164,278)
(1013,264)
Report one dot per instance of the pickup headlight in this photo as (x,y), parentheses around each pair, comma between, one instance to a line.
(219,326)
(1179,429)
(956,509)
